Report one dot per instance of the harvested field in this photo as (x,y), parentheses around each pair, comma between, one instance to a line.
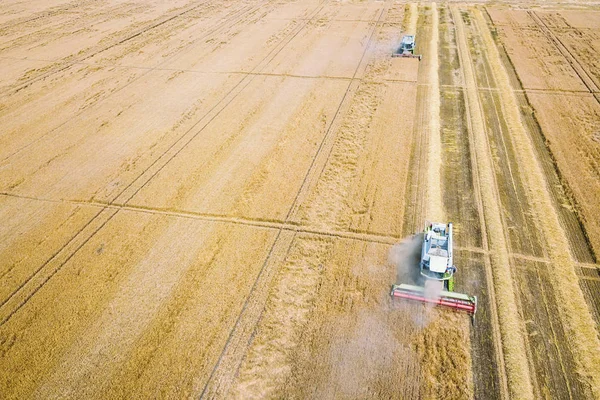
(201,199)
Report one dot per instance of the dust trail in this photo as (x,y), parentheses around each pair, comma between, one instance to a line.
(434,193)
(406,256)
(433,289)
(440,343)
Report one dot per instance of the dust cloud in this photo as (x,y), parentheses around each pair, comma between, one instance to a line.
(406,256)
(433,289)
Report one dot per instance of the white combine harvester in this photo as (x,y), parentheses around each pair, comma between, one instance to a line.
(407,48)
(436,264)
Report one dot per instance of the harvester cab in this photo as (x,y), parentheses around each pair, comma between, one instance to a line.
(436,254)
(436,264)
(407,48)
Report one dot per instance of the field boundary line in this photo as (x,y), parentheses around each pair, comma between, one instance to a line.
(365,236)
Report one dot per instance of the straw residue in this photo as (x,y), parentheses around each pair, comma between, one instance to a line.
(511,328)
(411,28)
(573,311)
(445,357)
(434,194)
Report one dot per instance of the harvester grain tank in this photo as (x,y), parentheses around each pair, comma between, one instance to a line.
(407,48)
(436,264)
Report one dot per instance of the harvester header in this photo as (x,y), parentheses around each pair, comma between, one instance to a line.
(457,301)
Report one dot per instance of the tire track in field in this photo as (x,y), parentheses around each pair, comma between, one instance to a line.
(91,228)
(43,14)
(574,314)
(238,348)
(74,243)
(88,14)
(20,297)
(568,55)
(541,314)
(235,18)
(564,202)
(415,213)
(358,235)
(136,33)
(511,329)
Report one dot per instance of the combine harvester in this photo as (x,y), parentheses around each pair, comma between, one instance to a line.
(407,48)
(436,264)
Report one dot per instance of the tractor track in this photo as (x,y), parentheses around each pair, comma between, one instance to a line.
(489,373)
(358,235)
(500,137)
(236,242)
(513,356)
(568,55)
(106,214)
(559,377)
(235,18)
(415,212)
(101,215)
(137,33)
(43,14)
(233,360)
(36,31)
(557,92)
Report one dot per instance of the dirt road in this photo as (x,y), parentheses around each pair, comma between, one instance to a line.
(199,198)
